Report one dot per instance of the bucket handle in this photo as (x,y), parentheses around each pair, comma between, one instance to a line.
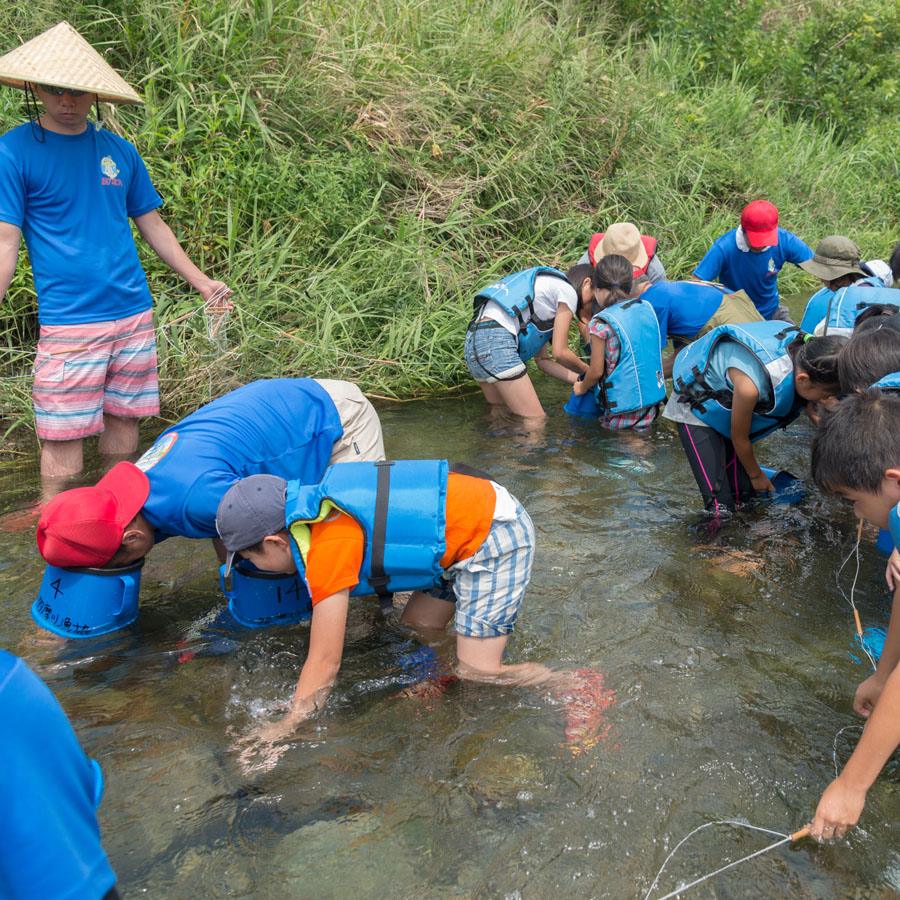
(129,592)
(229,595)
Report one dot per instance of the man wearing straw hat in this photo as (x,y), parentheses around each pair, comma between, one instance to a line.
(70,188)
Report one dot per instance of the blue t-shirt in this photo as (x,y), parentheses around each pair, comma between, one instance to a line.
(50,848)
(72,196)
(730,354)
(683,307)
(285,427)
(755,273)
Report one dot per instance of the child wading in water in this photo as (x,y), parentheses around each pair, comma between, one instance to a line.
(735,386)
(856,453)
(462,543)
(625,370)
(514,321)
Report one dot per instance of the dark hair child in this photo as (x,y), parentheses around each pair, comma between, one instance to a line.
(856,453)
(736,385)
(625,370)
(870,355)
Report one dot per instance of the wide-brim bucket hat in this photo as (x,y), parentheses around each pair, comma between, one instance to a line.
(61,57)
(623,239)
(835,256)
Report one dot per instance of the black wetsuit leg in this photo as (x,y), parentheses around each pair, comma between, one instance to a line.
(722,479)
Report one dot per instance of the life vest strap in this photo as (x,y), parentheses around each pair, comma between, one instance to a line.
(378,580)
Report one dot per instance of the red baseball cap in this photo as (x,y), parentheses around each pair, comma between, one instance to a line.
(84,526)
(760,223)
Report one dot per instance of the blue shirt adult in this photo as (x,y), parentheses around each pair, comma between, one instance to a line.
(285,427)
(51,838)
(731,261)
(683,307)
(72,197)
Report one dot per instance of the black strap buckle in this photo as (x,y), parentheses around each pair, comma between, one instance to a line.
(379,579)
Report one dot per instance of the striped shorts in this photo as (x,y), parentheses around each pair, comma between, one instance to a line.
(488,587)
(83,371)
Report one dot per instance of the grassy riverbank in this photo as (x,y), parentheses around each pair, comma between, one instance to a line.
(356,171)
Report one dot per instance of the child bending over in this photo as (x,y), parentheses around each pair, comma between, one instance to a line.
(856,453)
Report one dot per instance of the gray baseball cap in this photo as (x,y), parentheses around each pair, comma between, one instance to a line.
(251,509)
(834,256)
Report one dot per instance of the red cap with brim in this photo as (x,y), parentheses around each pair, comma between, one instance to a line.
(760,223)
(84,526)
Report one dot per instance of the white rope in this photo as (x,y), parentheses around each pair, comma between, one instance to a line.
(850,599)
(837,765)
(785,838)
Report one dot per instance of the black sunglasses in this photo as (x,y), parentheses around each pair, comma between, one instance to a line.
(59,91)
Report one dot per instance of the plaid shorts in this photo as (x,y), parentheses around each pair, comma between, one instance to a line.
(488,587)
(83,371)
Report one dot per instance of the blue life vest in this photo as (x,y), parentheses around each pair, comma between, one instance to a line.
(894,525)
(637,380)
(768,341)
(890,382)
(515,295)
(401,508)
(842,307)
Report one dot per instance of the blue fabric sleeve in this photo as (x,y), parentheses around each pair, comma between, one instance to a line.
(12,190)
(51,838)
(795,250)
(142,196)
(894,523)
(732,355)
(710,266)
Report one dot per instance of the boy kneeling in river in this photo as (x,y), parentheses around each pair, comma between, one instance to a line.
(461,542)
(856,453)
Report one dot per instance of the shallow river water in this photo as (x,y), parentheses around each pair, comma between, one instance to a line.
(731,663)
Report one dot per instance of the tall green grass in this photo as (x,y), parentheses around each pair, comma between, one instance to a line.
(357,171)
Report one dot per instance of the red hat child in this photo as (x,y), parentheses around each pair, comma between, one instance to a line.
(760,223)
(84,526)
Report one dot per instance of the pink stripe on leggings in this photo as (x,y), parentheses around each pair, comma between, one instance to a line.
(687,428)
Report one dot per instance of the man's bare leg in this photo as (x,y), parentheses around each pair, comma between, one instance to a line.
(119,439)
(61,459)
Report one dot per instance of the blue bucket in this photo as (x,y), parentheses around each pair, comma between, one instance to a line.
(257,599)
(788,488)
(587,406)
(81,602)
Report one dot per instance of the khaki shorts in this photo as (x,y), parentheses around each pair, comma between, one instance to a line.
(362,440)
(735,309)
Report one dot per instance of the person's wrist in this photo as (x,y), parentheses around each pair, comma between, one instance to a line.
(852,785)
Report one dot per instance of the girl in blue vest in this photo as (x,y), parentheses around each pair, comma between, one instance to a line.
(625,370)
(514,320)
(736,385)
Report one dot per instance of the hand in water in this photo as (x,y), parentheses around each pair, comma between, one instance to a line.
(838,810)
(260,749)
(762,484)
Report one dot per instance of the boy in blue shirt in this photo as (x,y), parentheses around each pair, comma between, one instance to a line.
(856,453)
(290,427)
(70,188)
(750,257)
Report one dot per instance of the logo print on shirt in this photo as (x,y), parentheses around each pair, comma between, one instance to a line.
(152,456)
(110,171)
(772,269)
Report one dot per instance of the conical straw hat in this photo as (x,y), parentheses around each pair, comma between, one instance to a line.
(62,57)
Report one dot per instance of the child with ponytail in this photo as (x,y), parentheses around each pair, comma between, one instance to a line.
(735,386)
(625,369)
